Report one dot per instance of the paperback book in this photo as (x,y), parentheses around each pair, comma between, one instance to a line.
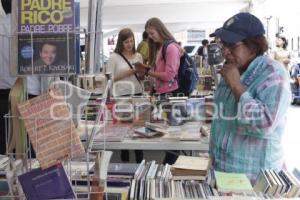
(50,128)
(232,182)
(51,183)
(45,31)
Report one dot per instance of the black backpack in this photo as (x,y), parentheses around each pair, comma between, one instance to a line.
(187,76)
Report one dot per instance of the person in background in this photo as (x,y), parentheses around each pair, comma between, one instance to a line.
(162,71)
(202,51)
(251,101)
(143,48)
(125,76)
(6,81)
(295,81)
(281,53)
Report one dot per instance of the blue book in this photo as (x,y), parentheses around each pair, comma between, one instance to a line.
(51,183)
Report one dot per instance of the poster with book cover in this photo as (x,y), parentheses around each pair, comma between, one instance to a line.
(45,37)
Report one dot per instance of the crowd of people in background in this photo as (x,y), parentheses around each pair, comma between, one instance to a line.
(246,66)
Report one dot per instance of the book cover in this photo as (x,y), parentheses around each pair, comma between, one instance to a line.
(50,128)
(262,183)
(51,183)
(232,182)
(112,133)
(46,37)
(122,168)
(192,163)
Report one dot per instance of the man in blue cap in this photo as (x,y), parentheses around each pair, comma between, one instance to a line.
(251,101)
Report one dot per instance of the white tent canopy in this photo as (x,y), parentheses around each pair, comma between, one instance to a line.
(179,15)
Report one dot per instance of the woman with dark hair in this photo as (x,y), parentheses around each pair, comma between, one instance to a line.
(281,53)
(250,102)
(120,65)
(125,76)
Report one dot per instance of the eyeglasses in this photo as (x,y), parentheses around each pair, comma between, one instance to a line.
(229,46)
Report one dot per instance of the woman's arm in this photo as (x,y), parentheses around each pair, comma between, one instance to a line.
(171,65)
(123,75)
(111,68)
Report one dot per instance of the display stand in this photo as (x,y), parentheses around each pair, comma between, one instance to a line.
(93,63)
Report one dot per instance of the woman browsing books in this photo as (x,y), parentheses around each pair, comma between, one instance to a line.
(126,81)
(163,67)
(121,66)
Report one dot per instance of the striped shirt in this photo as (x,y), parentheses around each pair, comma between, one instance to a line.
(246,135)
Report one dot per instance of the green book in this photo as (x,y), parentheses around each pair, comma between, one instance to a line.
(232,182)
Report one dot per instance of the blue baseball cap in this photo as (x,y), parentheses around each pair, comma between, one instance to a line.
(238,27)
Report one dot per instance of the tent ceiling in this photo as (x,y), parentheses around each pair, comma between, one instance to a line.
(177,14)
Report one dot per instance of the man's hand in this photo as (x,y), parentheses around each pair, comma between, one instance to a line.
(232,76)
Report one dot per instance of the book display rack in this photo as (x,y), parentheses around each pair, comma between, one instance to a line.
(55,151)
(43,127)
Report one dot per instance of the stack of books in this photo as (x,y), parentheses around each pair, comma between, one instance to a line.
(190,168)
(278,184)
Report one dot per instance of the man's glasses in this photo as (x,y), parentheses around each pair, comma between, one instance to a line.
(229,46)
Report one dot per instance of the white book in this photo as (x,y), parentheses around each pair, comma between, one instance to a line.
(278,183)
(132,189)
(295,185)
(273,186)
(281,182)
(139,169)
(101,166)
(165,172)
(152,189)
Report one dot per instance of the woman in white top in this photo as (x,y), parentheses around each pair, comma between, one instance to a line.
(281,53)
(125,77)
